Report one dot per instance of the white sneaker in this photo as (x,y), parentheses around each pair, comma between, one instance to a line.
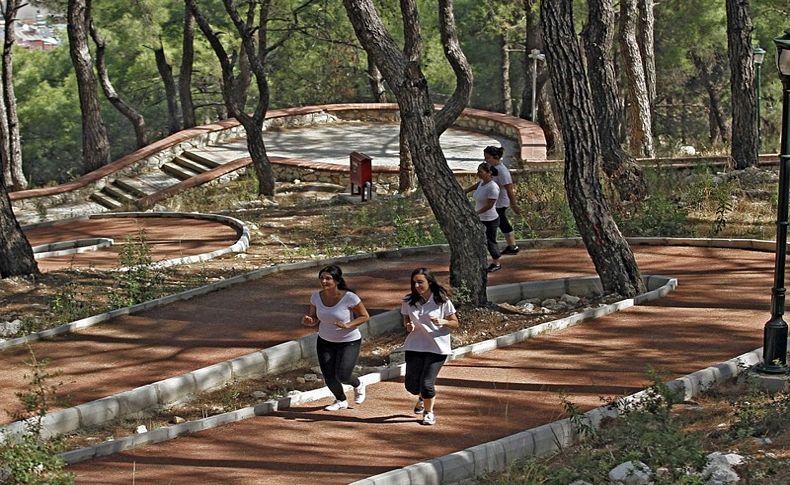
(337,406)
(429,418)
(359,394)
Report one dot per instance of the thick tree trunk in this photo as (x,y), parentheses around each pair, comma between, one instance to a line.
(613,259)
(422,128)
(646,40)
(260,159)
(640,133)
(171,93)
(16,255)
(532,40)
(744,99)
(95,143)
(377,89)
(185,74)
(507,97)
(17,180)
(620,167)
(131,114)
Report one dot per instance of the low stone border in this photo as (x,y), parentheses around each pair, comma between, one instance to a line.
(63,248)
(239,246)
(494,456)
(288,354)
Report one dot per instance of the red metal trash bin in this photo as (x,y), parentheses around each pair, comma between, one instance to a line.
(361,175)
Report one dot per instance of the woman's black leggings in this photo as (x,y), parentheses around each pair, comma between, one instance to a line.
(421,371)
(493,247)
(337,361)
(504,224)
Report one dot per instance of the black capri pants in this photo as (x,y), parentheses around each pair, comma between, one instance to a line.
(421,371)
(337,361)
(493,247)
(504,224)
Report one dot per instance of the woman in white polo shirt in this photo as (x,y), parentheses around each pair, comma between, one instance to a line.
(337,311)
(486,193)
(429,317)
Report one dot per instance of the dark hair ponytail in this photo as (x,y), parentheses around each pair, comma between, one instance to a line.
(487,167)
(337,274)
(495,152)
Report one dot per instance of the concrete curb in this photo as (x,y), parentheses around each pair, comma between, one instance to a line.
(494,456)
(76,246)
(290,353)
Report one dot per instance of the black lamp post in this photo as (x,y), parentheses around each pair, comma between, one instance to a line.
(758,56)
(775,332)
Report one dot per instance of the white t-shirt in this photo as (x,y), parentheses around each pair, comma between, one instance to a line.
(503,178)
(341,312)
(427,337)
(483,193)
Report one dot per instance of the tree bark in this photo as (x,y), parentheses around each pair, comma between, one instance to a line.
(532,40)
(16,255)
(253,124)
(640,133)
(646,41)
(507,97)
(620,167)
(131,114)
(377,89)
(613,259)
(185,75)
(407,178)
(95,143)
(17,180)
(744,99)
(171,93)
(422,128)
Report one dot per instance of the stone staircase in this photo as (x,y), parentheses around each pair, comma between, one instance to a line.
(123,192)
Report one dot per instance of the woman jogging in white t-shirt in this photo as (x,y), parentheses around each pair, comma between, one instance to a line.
(486,193)
(428,317)
(338,312)
(507,196)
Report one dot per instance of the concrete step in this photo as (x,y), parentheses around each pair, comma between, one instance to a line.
(177,171)
(189,164)
(201,158)
(130,187)
(105,200)
(118,194)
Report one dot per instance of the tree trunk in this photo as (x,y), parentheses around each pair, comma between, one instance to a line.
(547,118)
(744,99)
(710,71)
(256,55)
(646,42)
(620,167)
(17,180)
(16,255)
(532,40)
(166,73)
(613,259)
(377,88)
(507,97)
(95,144)
(131,114)
(640,133)
(185,74)
(407,180)
(422,128)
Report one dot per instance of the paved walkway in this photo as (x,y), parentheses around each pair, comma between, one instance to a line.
(193,236)
(716,313)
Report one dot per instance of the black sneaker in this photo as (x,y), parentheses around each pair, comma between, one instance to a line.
(511,250)
(419,407)
(493,267)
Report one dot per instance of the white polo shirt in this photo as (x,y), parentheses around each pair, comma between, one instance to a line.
(427,337)
(483,193)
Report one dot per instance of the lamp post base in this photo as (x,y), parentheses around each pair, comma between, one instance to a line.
(775,369)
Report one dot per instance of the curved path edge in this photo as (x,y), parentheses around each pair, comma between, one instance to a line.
(495,456)
(291,353)
(751,244)
(241,245)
